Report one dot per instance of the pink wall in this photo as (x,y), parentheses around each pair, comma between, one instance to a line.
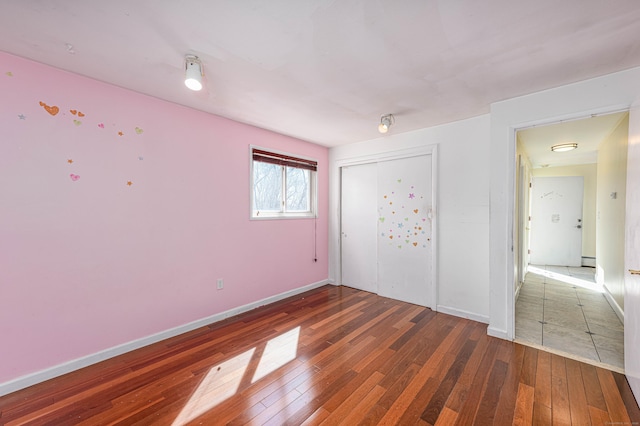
(91,263)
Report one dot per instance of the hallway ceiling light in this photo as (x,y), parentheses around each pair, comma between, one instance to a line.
(563,147)
(193,73)
(385,122)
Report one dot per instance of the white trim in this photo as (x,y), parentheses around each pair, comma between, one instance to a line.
(434,224)
(500,334)
(388,155)
(614,305)
(76,364)
(518,288)
(463,314)
(395,155)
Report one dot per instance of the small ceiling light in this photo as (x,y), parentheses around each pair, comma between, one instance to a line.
(385,122)
(563,147)
(193,73)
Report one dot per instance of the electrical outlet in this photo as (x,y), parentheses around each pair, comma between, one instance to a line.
(220,283)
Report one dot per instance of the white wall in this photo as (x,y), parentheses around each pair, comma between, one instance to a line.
(612,92)
(463,208)
(612,178)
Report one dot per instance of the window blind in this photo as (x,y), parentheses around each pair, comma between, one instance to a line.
(283,160)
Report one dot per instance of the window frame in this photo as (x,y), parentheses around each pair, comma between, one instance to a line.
(283,214)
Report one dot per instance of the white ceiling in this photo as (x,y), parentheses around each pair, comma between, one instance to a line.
(326,70)
(588,133)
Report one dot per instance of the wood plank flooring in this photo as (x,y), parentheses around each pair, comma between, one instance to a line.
(334,355)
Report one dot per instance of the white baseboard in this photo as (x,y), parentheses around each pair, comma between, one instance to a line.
(76,364)
(500,334)
(462,314)
(614,305)
(518,288)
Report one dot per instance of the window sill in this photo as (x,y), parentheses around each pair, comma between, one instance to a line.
(276,216)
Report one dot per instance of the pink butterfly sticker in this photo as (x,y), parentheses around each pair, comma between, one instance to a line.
(101,125)
(74,177)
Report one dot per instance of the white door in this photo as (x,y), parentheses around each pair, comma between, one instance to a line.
(556,220)
(359,229)
(386,233)
(632,257)
(404,230)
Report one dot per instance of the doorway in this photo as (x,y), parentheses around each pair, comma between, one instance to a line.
(561,303)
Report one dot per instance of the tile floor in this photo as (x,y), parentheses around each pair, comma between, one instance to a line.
(559,308)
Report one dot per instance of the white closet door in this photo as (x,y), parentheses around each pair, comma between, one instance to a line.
(359,227)
(404,230)
(386,234)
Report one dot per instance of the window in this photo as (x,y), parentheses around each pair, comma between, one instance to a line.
(282,185)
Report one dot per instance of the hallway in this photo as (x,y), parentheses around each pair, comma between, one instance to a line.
(562,309)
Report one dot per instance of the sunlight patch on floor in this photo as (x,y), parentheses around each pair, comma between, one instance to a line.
(223,380)
(566,279)
(220,383)
(279,351)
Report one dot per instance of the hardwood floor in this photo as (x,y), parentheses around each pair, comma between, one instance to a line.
(334,355)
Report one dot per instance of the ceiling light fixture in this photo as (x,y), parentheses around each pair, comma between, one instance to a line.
(193,73)
(385,122)
(563,147)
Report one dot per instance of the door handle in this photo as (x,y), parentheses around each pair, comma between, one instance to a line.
(634,272)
